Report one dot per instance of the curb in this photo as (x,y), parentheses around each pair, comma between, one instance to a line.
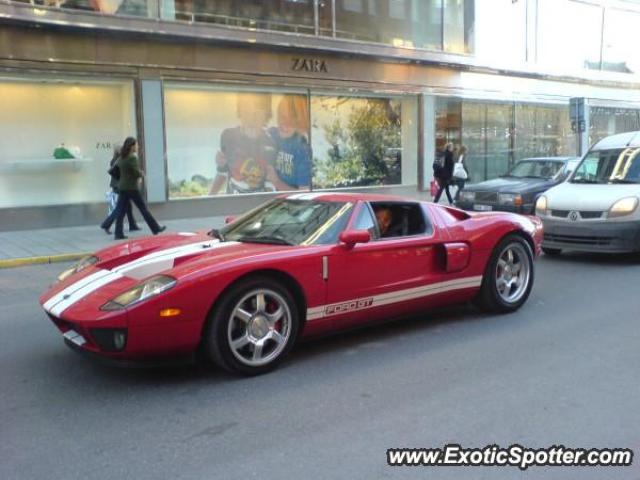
(21,262)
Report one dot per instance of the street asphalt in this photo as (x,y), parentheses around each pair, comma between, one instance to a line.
(562,370)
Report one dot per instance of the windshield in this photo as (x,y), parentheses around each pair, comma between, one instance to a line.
(291,222)
(536,168)
(620,165)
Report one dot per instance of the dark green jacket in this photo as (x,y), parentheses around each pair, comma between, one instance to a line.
(129,173)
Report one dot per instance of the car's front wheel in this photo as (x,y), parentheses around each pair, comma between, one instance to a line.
(508,277)
(252,328)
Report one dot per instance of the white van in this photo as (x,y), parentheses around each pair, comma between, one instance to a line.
(596,209)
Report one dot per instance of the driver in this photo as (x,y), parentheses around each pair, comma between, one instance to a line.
(385,218)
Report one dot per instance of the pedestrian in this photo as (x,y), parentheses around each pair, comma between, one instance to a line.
(129,186)
(445,174)
(460,172)
(114,173)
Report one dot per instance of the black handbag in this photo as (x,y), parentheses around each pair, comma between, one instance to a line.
(114,171)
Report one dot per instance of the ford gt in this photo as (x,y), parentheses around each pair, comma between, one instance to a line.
(299,266)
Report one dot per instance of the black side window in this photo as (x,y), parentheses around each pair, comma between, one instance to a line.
(406,219)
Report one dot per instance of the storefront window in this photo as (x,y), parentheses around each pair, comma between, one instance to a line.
(57,137)
(605,121)
(428,24)
(281,15)
(459,17)
(619,50)
(238,142)
(401,23)
(473,136)
(500,37)
(569,34)
(486,133)
(142,8)
(496,135)
(231,142)
(543,131)
(363,141)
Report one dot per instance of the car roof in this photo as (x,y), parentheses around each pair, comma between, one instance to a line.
(621,140)
(347,197)
(546,159)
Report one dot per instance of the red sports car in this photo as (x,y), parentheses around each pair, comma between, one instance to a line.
(300,265)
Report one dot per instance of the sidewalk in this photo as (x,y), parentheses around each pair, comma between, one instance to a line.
(27,247)
(50,245)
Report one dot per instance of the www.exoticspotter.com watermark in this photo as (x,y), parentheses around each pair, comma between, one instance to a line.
(514,456)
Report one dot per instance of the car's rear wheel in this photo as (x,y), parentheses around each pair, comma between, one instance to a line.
(551,251)
(508,277)
(252,328)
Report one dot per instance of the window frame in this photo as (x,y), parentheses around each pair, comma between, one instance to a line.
(428,224)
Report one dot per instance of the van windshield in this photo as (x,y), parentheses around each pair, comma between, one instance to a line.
(620,165)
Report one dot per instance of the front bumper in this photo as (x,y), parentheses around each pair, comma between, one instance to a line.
(124,362)
(158,343)
(612,237)
(525,209)
(92,339)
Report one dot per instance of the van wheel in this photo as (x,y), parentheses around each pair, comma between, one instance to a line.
(551,251)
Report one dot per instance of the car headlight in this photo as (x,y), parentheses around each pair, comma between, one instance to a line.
(510,199)
(467,196)
(625,206)
(79,266)
(143,291)
(541,205)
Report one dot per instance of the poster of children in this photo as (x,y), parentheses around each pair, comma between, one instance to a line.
(222,143)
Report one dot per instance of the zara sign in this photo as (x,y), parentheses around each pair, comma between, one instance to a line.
(309,65)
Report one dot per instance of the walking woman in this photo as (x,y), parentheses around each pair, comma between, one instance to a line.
(460,171)
(445,174)
(129,186)
(114,172)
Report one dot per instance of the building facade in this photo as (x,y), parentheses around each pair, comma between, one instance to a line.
(234,101)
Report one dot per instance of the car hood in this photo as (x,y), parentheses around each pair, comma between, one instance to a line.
(580,196)
(145,257)
(124,265)
(512,185)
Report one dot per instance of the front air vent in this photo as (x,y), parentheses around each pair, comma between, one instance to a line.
(589,215)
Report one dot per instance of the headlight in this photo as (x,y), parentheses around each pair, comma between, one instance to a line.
(147,289)
(541,205)
(467,196)
(81,265)
(623,207)
(510,199)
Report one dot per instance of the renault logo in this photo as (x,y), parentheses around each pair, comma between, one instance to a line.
(573,216)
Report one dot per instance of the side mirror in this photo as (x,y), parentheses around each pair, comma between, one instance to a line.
(351,237)
(229,219)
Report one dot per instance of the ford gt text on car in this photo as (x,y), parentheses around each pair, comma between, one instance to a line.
(298,266)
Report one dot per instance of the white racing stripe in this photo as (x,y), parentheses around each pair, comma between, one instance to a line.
(164,259)
(73,287)
(79,294)
(169,253)
(138,269)
(398,296)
